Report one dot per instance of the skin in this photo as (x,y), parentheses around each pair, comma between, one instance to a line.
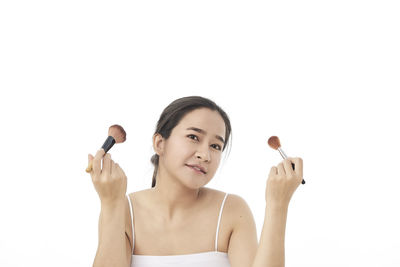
(178,187)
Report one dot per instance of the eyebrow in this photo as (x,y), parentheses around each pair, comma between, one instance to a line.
(204,132)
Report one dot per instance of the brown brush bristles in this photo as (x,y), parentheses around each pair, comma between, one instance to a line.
(273,142)
(117,132)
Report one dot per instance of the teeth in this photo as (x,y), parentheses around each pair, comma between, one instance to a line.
(197,168)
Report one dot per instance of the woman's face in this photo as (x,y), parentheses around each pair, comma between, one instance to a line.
(187,146)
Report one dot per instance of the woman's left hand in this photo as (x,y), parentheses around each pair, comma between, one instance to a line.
(283,181)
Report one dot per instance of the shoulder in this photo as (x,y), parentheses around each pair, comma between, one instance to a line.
(133,197)
(137,195)
(235,209)
(243,242)
(238,210)
(137,192)
(129,218)
(232,200)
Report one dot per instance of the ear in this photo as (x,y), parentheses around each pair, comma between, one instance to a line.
(158,144)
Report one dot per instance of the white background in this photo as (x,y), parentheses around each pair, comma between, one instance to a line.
(322,75)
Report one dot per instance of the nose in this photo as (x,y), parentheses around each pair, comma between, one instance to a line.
(205,159)
(203,155)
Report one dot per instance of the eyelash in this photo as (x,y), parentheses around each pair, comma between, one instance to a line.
(197,138)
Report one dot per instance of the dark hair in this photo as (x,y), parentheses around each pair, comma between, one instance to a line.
(175,111)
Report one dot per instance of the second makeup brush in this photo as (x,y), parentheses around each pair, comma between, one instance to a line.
(274,142)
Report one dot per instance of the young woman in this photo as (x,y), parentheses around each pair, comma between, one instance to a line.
(178,221)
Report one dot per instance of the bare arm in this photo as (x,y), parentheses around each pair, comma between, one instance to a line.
(281,184)
(112,246)
(271,249)
(270,252)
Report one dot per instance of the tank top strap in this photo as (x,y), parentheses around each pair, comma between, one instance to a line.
(133,230)
(219,220)
(216,235)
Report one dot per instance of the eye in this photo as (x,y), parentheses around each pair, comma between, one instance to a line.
(192,135)
(219,147)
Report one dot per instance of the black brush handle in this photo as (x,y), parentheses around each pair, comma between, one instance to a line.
(110,141)
(303,182)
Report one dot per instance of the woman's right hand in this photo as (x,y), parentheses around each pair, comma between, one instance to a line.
(109,182)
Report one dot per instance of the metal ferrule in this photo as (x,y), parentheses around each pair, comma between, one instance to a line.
(282,153)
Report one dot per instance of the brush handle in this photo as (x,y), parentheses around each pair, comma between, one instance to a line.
(89,167)
(303,182)
(110,141)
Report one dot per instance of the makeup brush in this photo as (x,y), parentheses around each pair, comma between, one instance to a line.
(274,142)
(116,134)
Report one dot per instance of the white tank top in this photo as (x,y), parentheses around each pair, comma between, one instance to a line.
(203,259)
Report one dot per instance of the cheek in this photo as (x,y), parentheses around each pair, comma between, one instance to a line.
(217,157)
(179,153)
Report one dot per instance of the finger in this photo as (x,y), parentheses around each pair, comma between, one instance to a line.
(273,171)
(114,172)
(107,164)
(120,170)
(90,158)
(89,167)
(97,162)
(299,166)
(281,169)
(287,163)
(121,174)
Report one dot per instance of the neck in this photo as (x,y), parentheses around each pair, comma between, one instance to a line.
(173,198)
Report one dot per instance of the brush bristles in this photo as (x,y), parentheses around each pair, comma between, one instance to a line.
(273,142)
(117,132)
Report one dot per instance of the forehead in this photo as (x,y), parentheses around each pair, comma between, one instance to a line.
(204,118)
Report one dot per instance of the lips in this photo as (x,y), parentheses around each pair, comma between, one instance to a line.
(199,167)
